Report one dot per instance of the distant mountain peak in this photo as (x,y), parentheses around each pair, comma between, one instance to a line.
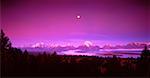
(88,43)
(39,45)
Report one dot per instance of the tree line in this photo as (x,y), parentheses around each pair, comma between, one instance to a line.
(15,62)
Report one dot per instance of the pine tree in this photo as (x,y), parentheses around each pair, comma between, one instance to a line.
(5,43)
(145,53)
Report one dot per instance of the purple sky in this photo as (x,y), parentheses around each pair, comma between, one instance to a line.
(54,21)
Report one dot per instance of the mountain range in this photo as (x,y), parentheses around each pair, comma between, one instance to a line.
(38,47)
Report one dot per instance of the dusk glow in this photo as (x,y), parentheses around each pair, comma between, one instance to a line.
(64,22)
(75,38)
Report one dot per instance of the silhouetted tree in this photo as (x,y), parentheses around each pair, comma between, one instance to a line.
(145,53)
(54,54)
(5,44)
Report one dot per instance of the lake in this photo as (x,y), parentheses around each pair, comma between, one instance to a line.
(123,53)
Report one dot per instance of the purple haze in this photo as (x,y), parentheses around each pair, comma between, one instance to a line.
(54,21)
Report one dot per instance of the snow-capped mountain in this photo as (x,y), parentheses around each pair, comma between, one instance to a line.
(87,46)
(133,45)
(39,45)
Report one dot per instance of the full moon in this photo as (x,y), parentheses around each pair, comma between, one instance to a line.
(78,16)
